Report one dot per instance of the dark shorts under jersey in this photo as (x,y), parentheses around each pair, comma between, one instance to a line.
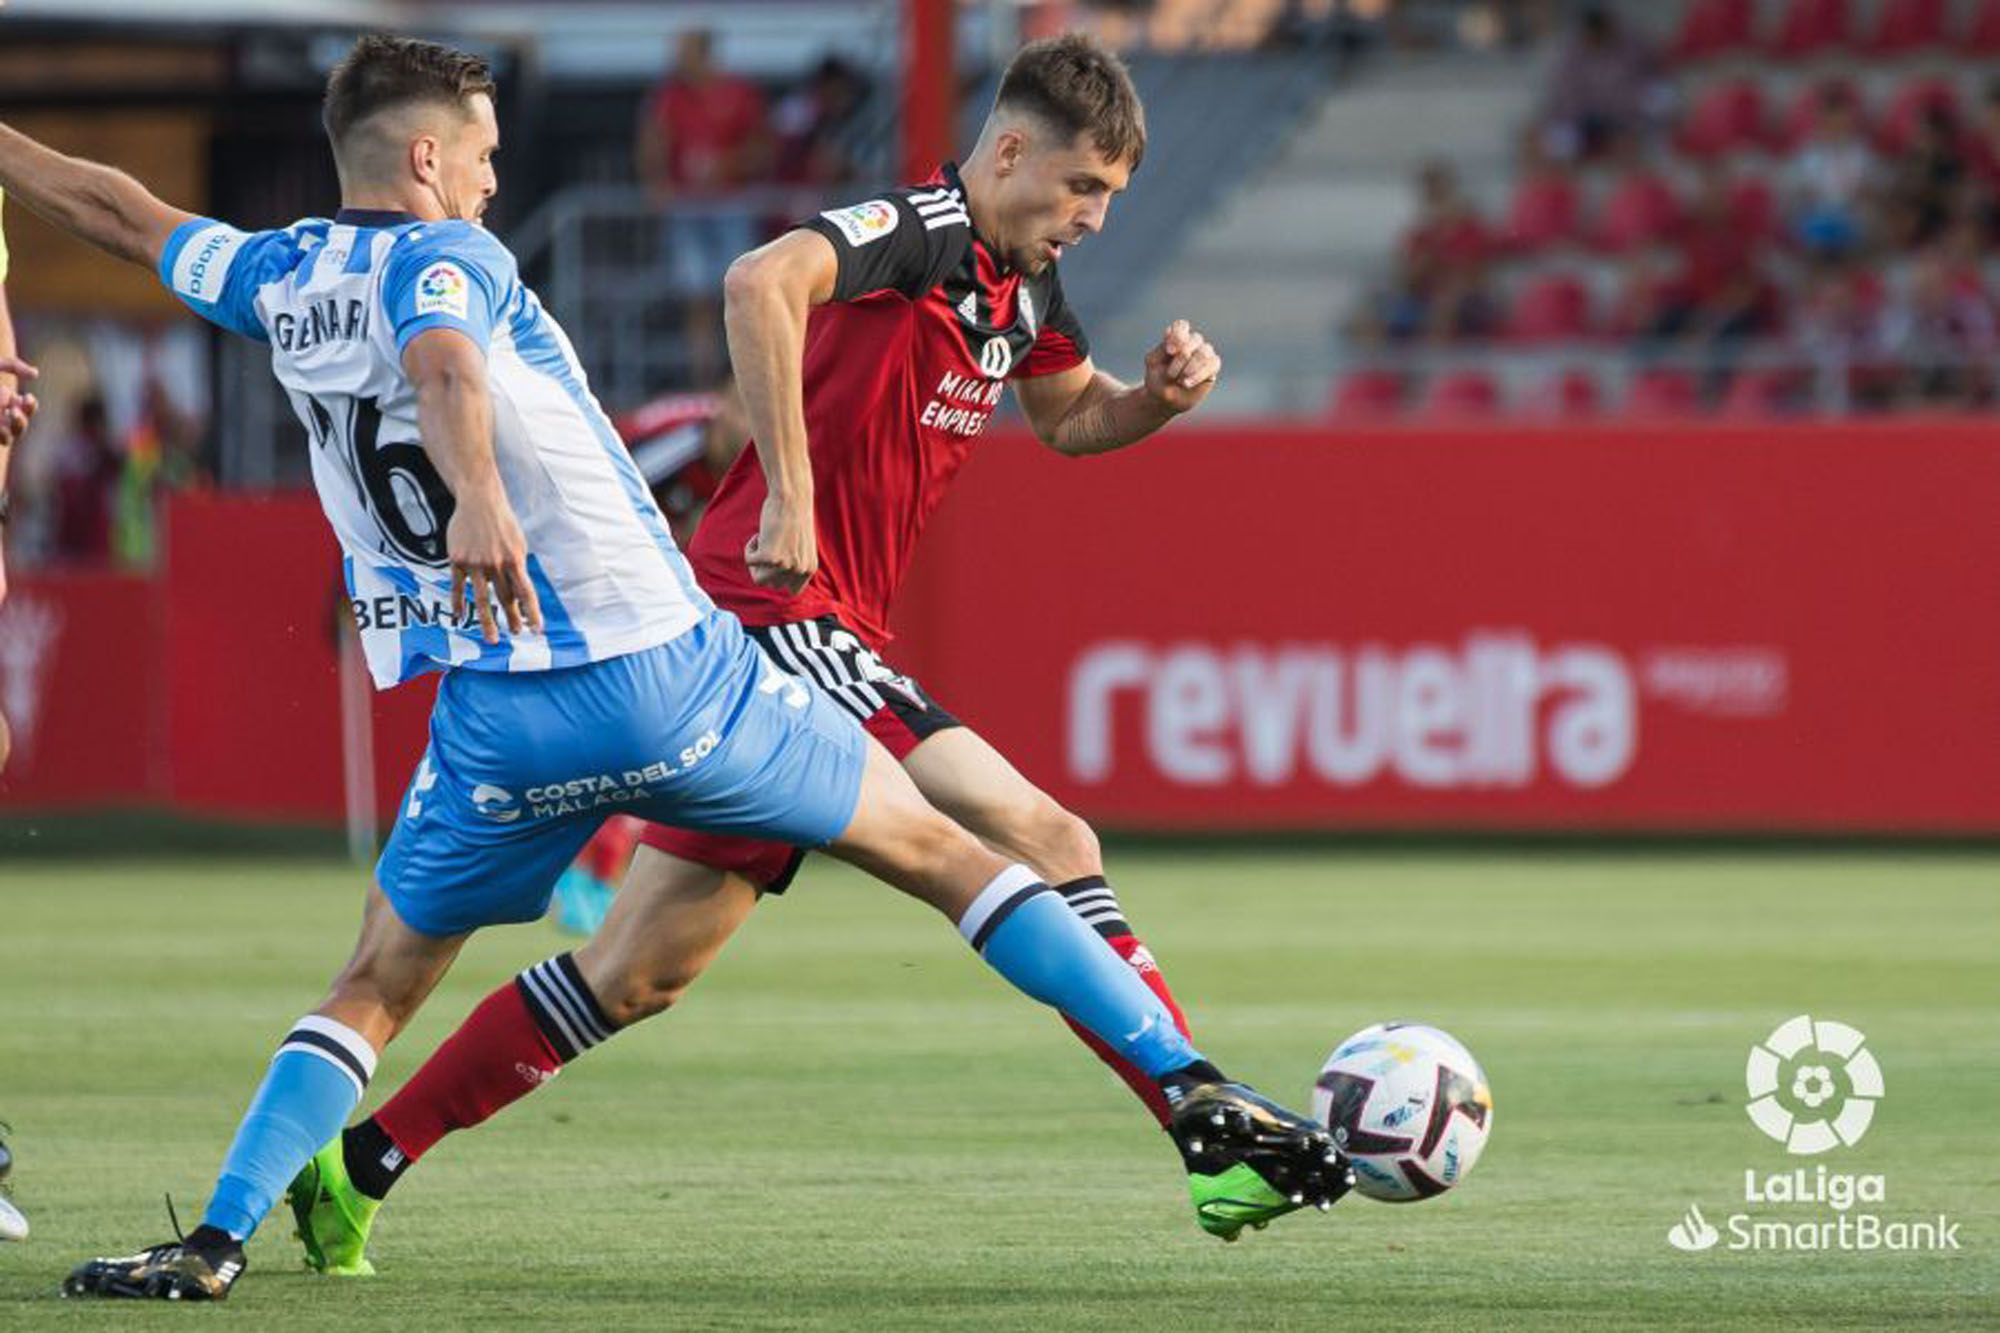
(889,705)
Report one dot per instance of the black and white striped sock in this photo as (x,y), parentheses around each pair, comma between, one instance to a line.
(1092,899)
(337,1044)
(564,1009)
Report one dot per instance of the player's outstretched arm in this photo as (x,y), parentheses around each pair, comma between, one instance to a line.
(483,540)
(767,295)
(96,203)
(1083,411)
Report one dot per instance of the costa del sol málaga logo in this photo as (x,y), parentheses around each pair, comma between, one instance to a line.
(1796,1076)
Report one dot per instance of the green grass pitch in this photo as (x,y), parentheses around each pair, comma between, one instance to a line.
(851,1124)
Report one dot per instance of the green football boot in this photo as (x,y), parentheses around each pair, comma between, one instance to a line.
(1224,1204)
(333,1216)
(1249,1160)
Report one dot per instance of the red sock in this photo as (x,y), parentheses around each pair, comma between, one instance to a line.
(514,1042)
(1132,951)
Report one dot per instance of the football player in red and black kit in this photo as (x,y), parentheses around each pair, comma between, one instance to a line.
(870,345)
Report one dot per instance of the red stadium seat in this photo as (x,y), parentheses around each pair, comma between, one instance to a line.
(1758,393)
(1569,395)
(1546,210)
(1911,104)
(1982,34)
(1551,308)
(1810,27)
(1714,28)
(1726,118)
(1803,115)
(1903,26)
(1367,396)
(1641,211)
(1663,393)
(1462,395)
(1753,204)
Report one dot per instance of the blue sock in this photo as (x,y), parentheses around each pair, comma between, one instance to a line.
(1029,935)
(314,1081)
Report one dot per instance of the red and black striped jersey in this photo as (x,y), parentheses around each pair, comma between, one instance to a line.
(903,367)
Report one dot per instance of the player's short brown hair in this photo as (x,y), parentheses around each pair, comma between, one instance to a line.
(1077,85)
(383,72)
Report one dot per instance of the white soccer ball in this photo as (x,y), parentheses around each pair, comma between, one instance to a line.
(1409,1106)
(13,1226)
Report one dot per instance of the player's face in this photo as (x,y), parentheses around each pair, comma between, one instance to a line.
(1054,195)
(466,181)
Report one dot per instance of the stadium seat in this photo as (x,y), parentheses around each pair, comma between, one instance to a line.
(1904,26)
(1753,203)
(1641,210)
(1662,393)
(1552,308)
(1368,396)
(1910,104)
(1982,33)
(1726,118)
(1568,395)
(1546,210)
(1462,395)
(1811,27)
(1758,393)
(1714,28)
(1802,117)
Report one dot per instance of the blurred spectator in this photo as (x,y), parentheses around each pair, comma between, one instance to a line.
(1982,150)
(87,476)
(813,124)
(160,456)
(703,136)
(1646,289)
(1440,293)
(1838,326)
(1608,87)
(1926,181)
(683,444)
(1941,332)
(1833,179)
(1720,295)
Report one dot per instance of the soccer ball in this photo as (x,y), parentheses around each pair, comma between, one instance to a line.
(1409,1106)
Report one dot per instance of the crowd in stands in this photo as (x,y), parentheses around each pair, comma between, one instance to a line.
(123,420)
(1785,208)
(710,143)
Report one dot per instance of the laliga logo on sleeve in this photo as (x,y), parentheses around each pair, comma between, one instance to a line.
(441,290)
(1801,1058)
(863,223)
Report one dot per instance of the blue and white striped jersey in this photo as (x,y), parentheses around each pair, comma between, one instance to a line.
(337,302)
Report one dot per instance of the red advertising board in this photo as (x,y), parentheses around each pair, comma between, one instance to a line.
(79,689)
(1686,628)
(1635,629)
(211,687)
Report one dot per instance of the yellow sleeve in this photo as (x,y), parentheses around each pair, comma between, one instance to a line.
(3,236)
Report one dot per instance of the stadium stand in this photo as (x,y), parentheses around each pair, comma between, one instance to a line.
(1801,216)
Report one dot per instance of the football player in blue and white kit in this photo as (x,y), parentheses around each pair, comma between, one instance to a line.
(493,528)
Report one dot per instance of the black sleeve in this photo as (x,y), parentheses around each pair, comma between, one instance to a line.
(886,244)
(1059,339)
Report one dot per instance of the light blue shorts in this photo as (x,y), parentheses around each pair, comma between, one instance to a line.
(702,733)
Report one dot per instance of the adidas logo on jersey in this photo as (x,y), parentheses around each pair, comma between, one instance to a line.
(1027,310)
(968,309)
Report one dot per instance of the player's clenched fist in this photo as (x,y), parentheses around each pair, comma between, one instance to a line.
(1182,367)
(489,561)
(785,552)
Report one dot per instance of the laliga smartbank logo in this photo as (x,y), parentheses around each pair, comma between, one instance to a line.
(1831,1111)
(1813,1087)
